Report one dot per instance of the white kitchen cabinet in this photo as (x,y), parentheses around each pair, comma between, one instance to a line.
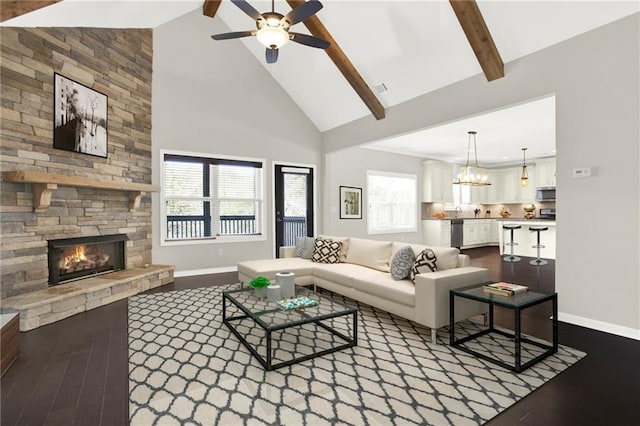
(507,189)
(472,232)
(494,231)
(478,194)
(437,182)
(510,186)
(436,232)
(479,232)
(491,193)
(546,172)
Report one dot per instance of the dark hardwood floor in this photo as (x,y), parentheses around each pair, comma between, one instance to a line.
(74,372)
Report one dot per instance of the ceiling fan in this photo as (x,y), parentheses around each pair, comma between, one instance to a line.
(273,27)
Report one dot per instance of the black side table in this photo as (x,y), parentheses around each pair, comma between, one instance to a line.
(517,303)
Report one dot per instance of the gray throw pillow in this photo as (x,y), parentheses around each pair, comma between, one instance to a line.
(425,262)
(304,247)
(402,263)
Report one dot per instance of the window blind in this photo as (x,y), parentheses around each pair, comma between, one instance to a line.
(391,201)
(206,197)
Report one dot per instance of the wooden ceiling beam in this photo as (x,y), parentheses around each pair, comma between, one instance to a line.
(13,8)
(210,7)
(479,37)
(343,63)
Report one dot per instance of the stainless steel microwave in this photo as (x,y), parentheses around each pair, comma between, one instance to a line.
(545,193)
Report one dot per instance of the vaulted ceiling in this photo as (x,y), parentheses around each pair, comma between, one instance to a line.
(408,47)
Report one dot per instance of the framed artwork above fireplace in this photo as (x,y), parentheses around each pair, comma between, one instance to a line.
(80,117)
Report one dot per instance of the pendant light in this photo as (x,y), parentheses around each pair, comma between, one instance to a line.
(524,179)
(472,174)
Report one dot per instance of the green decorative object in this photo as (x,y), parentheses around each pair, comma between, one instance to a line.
(259,285)
(260,282)
(529,208)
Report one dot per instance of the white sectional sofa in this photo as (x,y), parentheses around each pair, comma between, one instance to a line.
(363,275)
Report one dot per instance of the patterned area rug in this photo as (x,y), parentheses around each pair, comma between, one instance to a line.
(186,367)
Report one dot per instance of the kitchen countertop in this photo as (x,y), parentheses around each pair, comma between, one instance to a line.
(532,222)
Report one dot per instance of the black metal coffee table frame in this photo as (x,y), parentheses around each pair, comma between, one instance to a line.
(517,303)
(269,329)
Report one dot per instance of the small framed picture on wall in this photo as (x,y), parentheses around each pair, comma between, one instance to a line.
(80,117)
(350,202)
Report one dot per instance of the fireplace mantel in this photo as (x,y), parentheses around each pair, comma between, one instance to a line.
(45,183)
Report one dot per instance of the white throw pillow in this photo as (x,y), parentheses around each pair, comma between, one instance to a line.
(343,249)
(371,253)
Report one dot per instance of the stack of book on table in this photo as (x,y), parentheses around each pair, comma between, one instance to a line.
(504,289)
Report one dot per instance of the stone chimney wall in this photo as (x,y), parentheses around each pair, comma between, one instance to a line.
(116,62)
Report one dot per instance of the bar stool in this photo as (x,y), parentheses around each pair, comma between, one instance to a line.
(511,258)
(537,261)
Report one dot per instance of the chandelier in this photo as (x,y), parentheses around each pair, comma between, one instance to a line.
(472,174)
(524,178)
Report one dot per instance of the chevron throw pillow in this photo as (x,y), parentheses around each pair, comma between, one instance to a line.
(426,261)
(326,251)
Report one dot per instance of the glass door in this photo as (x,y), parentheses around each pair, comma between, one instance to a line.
(293,204)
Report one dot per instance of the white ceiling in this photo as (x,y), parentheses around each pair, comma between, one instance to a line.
(413,47)
(501,136)
(105,13)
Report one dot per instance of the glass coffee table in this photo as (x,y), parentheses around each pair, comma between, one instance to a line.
(278,337)
(536,350)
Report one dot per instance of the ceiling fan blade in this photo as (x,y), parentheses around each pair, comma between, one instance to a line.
(237,34)
(302,12)
(308,40)
(247,8)
(271,55)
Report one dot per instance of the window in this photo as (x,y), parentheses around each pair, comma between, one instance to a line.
(391,200)
(461,195)
(211,197)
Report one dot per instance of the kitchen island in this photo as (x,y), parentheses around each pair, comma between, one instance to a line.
(482,232)
(526,239)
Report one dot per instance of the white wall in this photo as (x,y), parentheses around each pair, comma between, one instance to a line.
(214,97)
(595,78)
(348,167)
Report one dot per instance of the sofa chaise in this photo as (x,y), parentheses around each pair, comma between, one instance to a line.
(363,274)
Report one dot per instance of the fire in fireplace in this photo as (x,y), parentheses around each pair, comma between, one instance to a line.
(80,258)
(73,258)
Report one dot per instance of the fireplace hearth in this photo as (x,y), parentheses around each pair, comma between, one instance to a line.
(75,258)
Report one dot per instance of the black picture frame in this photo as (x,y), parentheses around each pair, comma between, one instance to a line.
(350,202)
(80,119)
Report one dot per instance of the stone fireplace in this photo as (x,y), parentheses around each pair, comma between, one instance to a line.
(50,194)
(74,258)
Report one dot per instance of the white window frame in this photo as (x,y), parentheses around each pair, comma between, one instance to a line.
(215,239)
(414,227)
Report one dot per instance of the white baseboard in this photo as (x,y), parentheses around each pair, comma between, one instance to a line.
(618,330)
(207,271)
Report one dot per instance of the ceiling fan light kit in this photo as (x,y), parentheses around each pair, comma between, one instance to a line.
(272,37)
(273,28)
(472,174)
